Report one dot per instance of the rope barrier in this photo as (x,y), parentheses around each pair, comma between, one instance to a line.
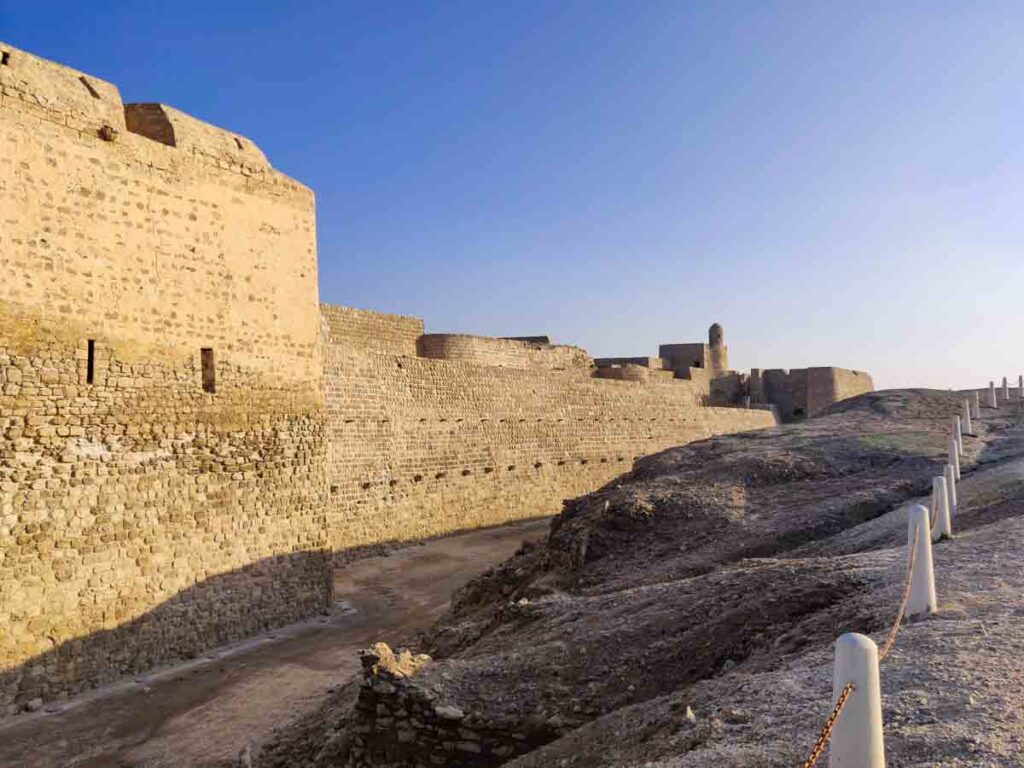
(887,646)
(826,731)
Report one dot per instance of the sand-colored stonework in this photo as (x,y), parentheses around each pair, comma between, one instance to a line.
(143,518)
(187,437)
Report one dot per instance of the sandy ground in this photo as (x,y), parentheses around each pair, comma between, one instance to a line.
(206,712)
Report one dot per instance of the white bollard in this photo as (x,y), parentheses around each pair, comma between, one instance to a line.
(992,395)
(947,472)
(954,458)
(857,739)
(940,509)
(1006,391)
(975,406)
(922,578)
(966,418)
(958,436)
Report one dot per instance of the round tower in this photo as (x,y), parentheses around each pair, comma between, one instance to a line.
(718,353)
(716,336)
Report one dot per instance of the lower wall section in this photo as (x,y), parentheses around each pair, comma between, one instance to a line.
(143,520)
(421,447)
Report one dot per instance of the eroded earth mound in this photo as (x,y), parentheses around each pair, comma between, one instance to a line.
(684,615)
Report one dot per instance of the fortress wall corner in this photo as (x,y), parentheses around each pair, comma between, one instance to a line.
(162,446)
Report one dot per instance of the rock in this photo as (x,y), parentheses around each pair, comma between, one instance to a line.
(448,712)
(34,705)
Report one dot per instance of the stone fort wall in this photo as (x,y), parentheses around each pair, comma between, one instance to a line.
(421,446)
(155,500)
(806,392)
(186,436)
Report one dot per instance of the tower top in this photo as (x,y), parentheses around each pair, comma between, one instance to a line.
(716,336)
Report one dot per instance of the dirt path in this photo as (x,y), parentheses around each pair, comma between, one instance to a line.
(205,712)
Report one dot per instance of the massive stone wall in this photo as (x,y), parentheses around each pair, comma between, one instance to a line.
(170,477)
(420,446)
(806,392)
(154,499)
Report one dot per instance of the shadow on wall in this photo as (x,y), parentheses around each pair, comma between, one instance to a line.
(225,608)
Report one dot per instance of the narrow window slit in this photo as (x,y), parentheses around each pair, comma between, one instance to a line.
(209,374)
(5,57)
(90,361)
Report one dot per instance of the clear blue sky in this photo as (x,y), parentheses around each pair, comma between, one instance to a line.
(836,183)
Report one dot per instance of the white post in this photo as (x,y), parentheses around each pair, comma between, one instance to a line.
(922,578)
(857,740)
(1006,391)
(940,508)
(947,472)
(954,458)
(992,395)
(958,436)
(975,406)
(966,418)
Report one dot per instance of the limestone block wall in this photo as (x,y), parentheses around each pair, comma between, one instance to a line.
(367,330)
(145,244)
(420,447)
(841,384)
(162,446)
(513,353)
(805,392)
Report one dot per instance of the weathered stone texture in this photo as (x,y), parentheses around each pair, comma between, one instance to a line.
(805,392)
(152,506)
(141,518)
(368,330)
(510,353)
(419,447)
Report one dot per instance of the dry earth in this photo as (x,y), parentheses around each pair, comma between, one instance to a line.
(684,615)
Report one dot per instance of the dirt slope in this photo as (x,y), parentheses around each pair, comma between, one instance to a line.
(684,614)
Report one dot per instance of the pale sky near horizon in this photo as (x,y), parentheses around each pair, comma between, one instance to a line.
(836,183)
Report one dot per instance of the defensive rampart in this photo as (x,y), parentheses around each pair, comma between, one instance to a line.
(186,438)
(421,446)
(806,392)
(161,438)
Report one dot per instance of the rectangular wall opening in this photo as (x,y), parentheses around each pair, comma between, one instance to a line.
(90,362)
(209,374)
(5,57)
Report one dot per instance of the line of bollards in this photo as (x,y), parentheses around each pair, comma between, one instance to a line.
(857,739)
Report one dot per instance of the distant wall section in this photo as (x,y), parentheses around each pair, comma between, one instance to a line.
(420,446)
(510,353)
(806,392)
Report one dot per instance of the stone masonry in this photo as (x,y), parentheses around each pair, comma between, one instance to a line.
(188,438)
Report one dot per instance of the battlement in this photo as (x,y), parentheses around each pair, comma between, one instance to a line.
(89,105)
(57,93)
(502,352)
(142,227)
